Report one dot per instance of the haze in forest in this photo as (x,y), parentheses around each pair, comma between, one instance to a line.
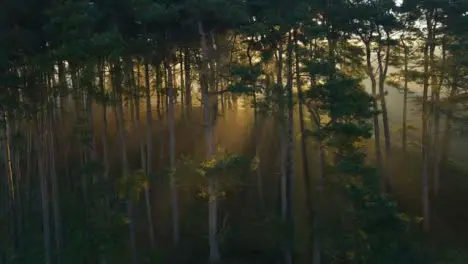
(233,132)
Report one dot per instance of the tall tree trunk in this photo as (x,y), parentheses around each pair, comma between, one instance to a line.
(90,115)
(290,153)
(18,173)
(55,190)
(405,97)
(317,242)
(436,116)
(181,76)
(12,190)
(149,154)
(166,93)
(44,188)
(62,85)
(425,118)
(378,149)
(257,152)
(119,115)
(104,133)
(171,116)
(205,82)
(158,81)
(188,80)
(304,152)
(383,61)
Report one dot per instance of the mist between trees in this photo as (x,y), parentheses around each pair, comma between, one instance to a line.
(227,131)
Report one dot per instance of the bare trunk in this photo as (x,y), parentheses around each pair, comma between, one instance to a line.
(29,168)
(317,242)
(282,129)
(149,154)
(181,76)
(104,133)
(18,173)
(436,115)
(283,147)
(92,148)
(378,149)
(405,98)
(174,195)
(383,61)
(257,152)
(62,85)
(44,189)
(290,155)
(215,255)
(304,152)
(158,86)
(11,204)
(55,191)
(425,136)
(166,94)
(119,115)
(188,84)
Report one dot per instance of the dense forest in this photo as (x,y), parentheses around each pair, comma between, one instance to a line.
(229,131)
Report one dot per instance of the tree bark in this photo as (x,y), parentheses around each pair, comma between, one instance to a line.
(55,191)
(44,189)
(188,80)
(378,149)
(425,136)
(290,153)
(405,97)
(149,154)
(171,116)
(215,255)
(119,115)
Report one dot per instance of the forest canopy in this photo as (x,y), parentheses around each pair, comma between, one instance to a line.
(228,131)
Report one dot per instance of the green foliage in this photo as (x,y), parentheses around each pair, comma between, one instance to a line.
(37,36)
(132,185)
(239,88)
(225,163)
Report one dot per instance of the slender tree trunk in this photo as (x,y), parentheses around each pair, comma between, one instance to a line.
(304,152)
(378,149)
(436,115)
(405,98)
(257,155)
(425,136)
(182,83)
(62,85)
(119,115)
(317,242)
(18,172)
(290,153)
(174,194)
(55,191)
(149,154)
(158,81)
(29,168)
(383,61)
(104,133)
(44,189)
(11,178)
(89,105)
(188,80)
(166,93)
(215,255)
